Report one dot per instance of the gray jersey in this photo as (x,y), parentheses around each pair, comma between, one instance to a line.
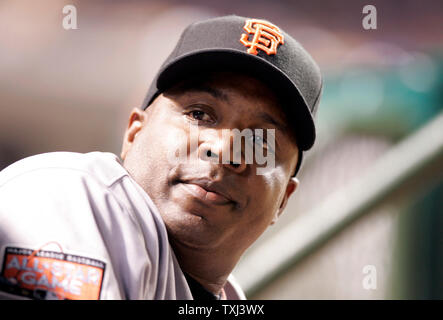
(77,226)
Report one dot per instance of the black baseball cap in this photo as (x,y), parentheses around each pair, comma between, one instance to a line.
(256,47)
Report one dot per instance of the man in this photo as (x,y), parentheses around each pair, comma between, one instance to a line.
(155,225)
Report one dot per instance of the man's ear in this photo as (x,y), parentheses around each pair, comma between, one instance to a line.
(290,188)
(136,122)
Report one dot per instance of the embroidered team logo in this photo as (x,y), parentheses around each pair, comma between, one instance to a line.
(265,36)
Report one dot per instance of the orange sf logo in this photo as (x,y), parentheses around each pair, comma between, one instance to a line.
(266,36)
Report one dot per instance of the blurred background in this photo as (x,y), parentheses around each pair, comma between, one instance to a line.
(367,220)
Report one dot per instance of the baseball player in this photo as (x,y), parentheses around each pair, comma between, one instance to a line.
(142,226)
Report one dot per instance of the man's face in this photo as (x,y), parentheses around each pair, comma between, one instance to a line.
(208,204)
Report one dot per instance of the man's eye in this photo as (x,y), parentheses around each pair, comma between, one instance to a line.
(199,115)
(258,140)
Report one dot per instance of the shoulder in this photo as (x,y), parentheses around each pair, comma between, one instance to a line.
(101,166)
(64,184)
(88,205)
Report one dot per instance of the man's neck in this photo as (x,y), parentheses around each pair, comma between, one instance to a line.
(210,268)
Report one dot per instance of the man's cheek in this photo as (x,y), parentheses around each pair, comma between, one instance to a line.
(180,145)
(175,148)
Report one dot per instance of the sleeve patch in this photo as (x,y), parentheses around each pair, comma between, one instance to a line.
(42,274)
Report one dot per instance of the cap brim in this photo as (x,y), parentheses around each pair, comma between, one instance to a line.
(295,106)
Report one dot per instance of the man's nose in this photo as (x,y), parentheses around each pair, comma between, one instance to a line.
(217,147)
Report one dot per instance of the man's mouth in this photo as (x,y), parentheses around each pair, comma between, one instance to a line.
(207,191)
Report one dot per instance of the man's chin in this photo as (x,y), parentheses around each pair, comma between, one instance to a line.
(187,226)
(191,230)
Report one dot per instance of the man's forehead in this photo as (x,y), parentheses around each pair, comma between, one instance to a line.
(205,87)
(220,84)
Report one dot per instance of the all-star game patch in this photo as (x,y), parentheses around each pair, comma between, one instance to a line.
(46,274)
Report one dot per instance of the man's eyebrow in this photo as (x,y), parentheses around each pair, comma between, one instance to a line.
(266,117)
(214,92)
